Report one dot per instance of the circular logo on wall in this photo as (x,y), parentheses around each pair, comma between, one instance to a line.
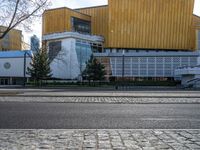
(7,65)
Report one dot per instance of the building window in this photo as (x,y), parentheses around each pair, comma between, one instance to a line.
(96,48)
(149,66)
(84,51)
(81,26)
(107,50)
(54,49)
(6,42)
(4,49)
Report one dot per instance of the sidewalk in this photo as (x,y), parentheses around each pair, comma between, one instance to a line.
(139,96)
(148,93)
(102,100)
(100,139)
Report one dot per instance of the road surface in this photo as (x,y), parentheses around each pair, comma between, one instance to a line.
(15,115)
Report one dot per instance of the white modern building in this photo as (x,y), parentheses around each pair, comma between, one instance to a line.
(147,64)
(69,51)
(190,76)
(131,43)
(13,67)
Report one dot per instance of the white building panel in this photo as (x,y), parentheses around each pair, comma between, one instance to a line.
(12,64)
(65,65)
(149,64)
(68,53)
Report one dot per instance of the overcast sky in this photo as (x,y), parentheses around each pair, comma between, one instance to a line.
(77,4)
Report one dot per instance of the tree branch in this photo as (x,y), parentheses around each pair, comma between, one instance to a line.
(13,17)
(17,19)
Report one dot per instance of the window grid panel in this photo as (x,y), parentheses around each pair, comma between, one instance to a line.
(149,66)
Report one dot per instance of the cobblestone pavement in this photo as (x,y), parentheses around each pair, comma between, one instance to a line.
(94,92)
(100,139)
(117,100)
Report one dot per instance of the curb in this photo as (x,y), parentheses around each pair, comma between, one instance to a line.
(98,96)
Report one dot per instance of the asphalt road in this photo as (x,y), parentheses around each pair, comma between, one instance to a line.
(99,116)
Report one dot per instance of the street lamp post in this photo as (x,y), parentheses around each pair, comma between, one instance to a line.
(123,63)
(81,68)
(25,55)
(24,81)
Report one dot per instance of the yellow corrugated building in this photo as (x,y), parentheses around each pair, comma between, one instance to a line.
(151,24)
(196,21)
(59,20)
(12,41)
(99,20)
(133,24)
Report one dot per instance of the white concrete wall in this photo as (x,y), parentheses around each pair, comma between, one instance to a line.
(16,67)
(65,65)
(188,71)
(190,80)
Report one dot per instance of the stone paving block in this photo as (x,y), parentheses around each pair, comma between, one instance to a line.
(193,146)
(99,139)
(121,100)
(104,145)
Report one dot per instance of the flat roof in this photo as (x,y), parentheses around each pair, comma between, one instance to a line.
(91,7)
(149,54)
(1,26)
(14,54)
(66,8)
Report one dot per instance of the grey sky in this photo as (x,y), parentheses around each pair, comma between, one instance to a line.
(37,27)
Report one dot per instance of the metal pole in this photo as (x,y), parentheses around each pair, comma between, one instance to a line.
(123,69)
(24,69)
(81,67)
(123,63)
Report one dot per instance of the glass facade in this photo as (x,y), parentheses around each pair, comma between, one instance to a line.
(149,66)
(81,26)
(35,44)
(84,50)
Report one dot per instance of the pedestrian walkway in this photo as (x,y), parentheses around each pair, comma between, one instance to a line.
(100,139)
(106,100)
(167,93)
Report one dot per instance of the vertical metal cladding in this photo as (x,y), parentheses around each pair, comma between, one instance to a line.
(196,21)
(99,19)
(151,24)
(54,21)
(59,20)
(12,41)
(142,24)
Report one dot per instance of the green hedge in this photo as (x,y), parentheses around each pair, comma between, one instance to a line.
(108,84)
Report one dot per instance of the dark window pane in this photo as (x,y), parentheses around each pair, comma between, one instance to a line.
(54,49)
(81,26)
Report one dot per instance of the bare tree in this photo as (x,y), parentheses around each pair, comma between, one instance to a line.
(20,13)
